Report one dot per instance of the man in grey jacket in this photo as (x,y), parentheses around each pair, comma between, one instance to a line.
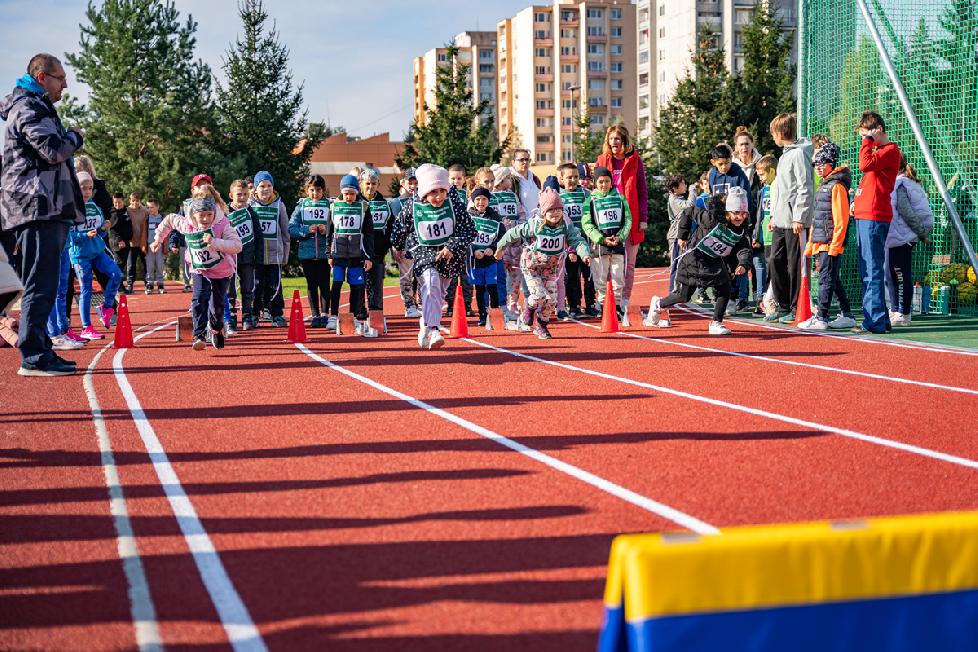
(791,214)
(39,201)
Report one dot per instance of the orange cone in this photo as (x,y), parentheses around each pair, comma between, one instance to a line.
(460,327)
(803,308)
(123,328)
(609,318)
(297,328)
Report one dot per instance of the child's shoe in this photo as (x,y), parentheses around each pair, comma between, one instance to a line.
(331,322)
(367,330)
(562,315)
(787,318)
(89,333)
(900,319)
(576,313)
(246,324)
(187,288)
(162,290)
(199,344)
(217,339)
(316,322)
(842,322)
(424,334)
(266,316)
(62,343)
(592,312)
(411,312)
(435,340)
(231,328)
(72,335)
(717,328)
(280,322)
(523,325)
(655,312)
(511,320)
(105,315)
(148,290)
(541,330)
(357,326)
(813,324)
(482,319)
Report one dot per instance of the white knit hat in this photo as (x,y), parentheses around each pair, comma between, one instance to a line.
(737,200)
(83,177)
(431,177)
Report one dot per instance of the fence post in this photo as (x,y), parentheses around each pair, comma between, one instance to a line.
(801,91)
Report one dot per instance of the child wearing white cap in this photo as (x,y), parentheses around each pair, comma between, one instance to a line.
(707,254)
(435,228)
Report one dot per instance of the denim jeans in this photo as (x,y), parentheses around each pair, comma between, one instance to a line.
(58,319)
(872,269)
(40,245)
(760,274)
(207,304)
(83,271)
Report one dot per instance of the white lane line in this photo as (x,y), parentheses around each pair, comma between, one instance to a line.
(141,606)
(794,363)
(660,509)
(237,622)
(872,339)
(852,434)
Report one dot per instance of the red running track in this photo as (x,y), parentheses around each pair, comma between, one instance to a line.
(376,501)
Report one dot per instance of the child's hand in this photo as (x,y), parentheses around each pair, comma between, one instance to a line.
(206,238)
(499,255)
(740,270)
(682,244)
(154,247)
(479,254)
(313,228)
(587,260)
(322,228)
(174,250)
(817,265)
(444,254)
(330,261)
(489,251)
(121,246)
(770,227)
(398,256)
(757,245)
(367,265)
(572,257)
(92,233)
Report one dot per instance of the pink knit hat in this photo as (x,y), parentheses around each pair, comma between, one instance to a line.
(431,177)
(550,200)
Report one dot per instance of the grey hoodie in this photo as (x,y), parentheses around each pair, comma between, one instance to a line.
(793,192)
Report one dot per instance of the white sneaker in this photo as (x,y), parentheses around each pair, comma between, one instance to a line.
(655,312)
(369,331)
(899,319)
(717,328)
(62,343)
(435,341)
(423,337)
(813,324)
(357,327)
(331,322)
(841,322)
(412,312)
(521,327)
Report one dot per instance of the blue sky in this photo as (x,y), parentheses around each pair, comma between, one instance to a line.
(355,58)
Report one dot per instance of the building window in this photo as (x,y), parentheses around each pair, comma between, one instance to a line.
(595,48)
(595,84)
(595,100)
(567,122)
(541,88)
(485,54)
(595,66)
(569,68)
(616,49)
(616,32)
(595,13)
(543,52)
(662,32)
(643,56)
(616,14)
(567,139)
(597,119)
(541,157)
(619,84)
(542,34)
(540,17)
(486,67)
(616,102)
(442,58)
(662,10)
(662,55)
(595,30)
(567,104)
(568,33)
(617,66)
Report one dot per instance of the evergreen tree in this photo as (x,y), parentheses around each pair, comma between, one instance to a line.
(261,110)
(587,142)
(960,50)
(700,114)
(457,130)
(860,88)
(150,118)
(765,86)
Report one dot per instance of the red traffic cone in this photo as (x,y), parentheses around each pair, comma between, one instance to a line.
(460,327)
(123,328)
(609,318)
(803,307)
(297,328)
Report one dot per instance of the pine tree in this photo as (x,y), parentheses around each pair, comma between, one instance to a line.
(456,130)
(700,114)
(150,119)
(261,110)
(765,86)
(587,142)
(960,50)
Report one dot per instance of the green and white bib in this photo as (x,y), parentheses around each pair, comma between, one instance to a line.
(609,212)
(434,226)
(241,221)
(551,241)
(719,242)
(315,212)
(93,218)
(463,194)
(486,230)
(506,204)
(267,220)
(348,218)
(200,256)
(380,212)
(574,204)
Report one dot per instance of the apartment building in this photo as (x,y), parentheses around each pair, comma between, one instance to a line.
(477,50)
(557,61)
(668,31)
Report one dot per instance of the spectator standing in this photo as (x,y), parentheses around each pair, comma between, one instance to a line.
(138,214)
(39,201)
(529,183)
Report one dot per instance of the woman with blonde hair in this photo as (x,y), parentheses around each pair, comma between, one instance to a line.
(618,154)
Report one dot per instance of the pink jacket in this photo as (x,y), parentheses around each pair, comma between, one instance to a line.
(226,241)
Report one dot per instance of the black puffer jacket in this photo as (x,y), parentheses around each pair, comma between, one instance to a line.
(697,268)
(403,237)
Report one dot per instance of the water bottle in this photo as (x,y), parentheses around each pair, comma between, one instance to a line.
(944,299)
(918,298)
(925,299)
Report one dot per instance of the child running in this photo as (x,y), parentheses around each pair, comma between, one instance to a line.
(607,221)
(545,241)
(87,251)
(719,237)
(308,226)
(350,242)
(482,275)
(436,228)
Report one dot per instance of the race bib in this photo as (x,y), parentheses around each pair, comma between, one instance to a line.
(573,205)
(434,226)
(485,232)
(241,221)
(93,218)
(317,213)
(550,241)
(719,242)
(609,213)
(200,256)
(506,204)
(347,218)
(267,220)
(380,212)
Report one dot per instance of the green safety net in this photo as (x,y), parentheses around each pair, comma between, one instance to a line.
(933,45)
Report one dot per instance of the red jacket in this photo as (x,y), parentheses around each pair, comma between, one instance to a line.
(635,189)
(880,167)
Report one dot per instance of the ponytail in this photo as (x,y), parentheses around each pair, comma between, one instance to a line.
(908,170)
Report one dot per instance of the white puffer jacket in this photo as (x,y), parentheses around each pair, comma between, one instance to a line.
(909,226)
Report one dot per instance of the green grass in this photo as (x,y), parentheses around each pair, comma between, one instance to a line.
(289,284)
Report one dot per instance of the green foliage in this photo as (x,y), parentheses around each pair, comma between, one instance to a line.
(653,251)
(457,130)
(587,142)
(150,120)
(262,119)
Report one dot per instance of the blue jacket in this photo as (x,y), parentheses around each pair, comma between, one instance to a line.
(720,183)
(312,246)
(81,246)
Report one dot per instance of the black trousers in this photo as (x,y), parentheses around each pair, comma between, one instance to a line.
(830,284)
(574,272)
(317,285)
(135,254)
(207,304)
(683,293)
(268,290)
(375,284)
(40,245)
(785,268)
(246,281)
(466,292)
(358,303)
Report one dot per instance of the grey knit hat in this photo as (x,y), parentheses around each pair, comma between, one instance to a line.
(202,204)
